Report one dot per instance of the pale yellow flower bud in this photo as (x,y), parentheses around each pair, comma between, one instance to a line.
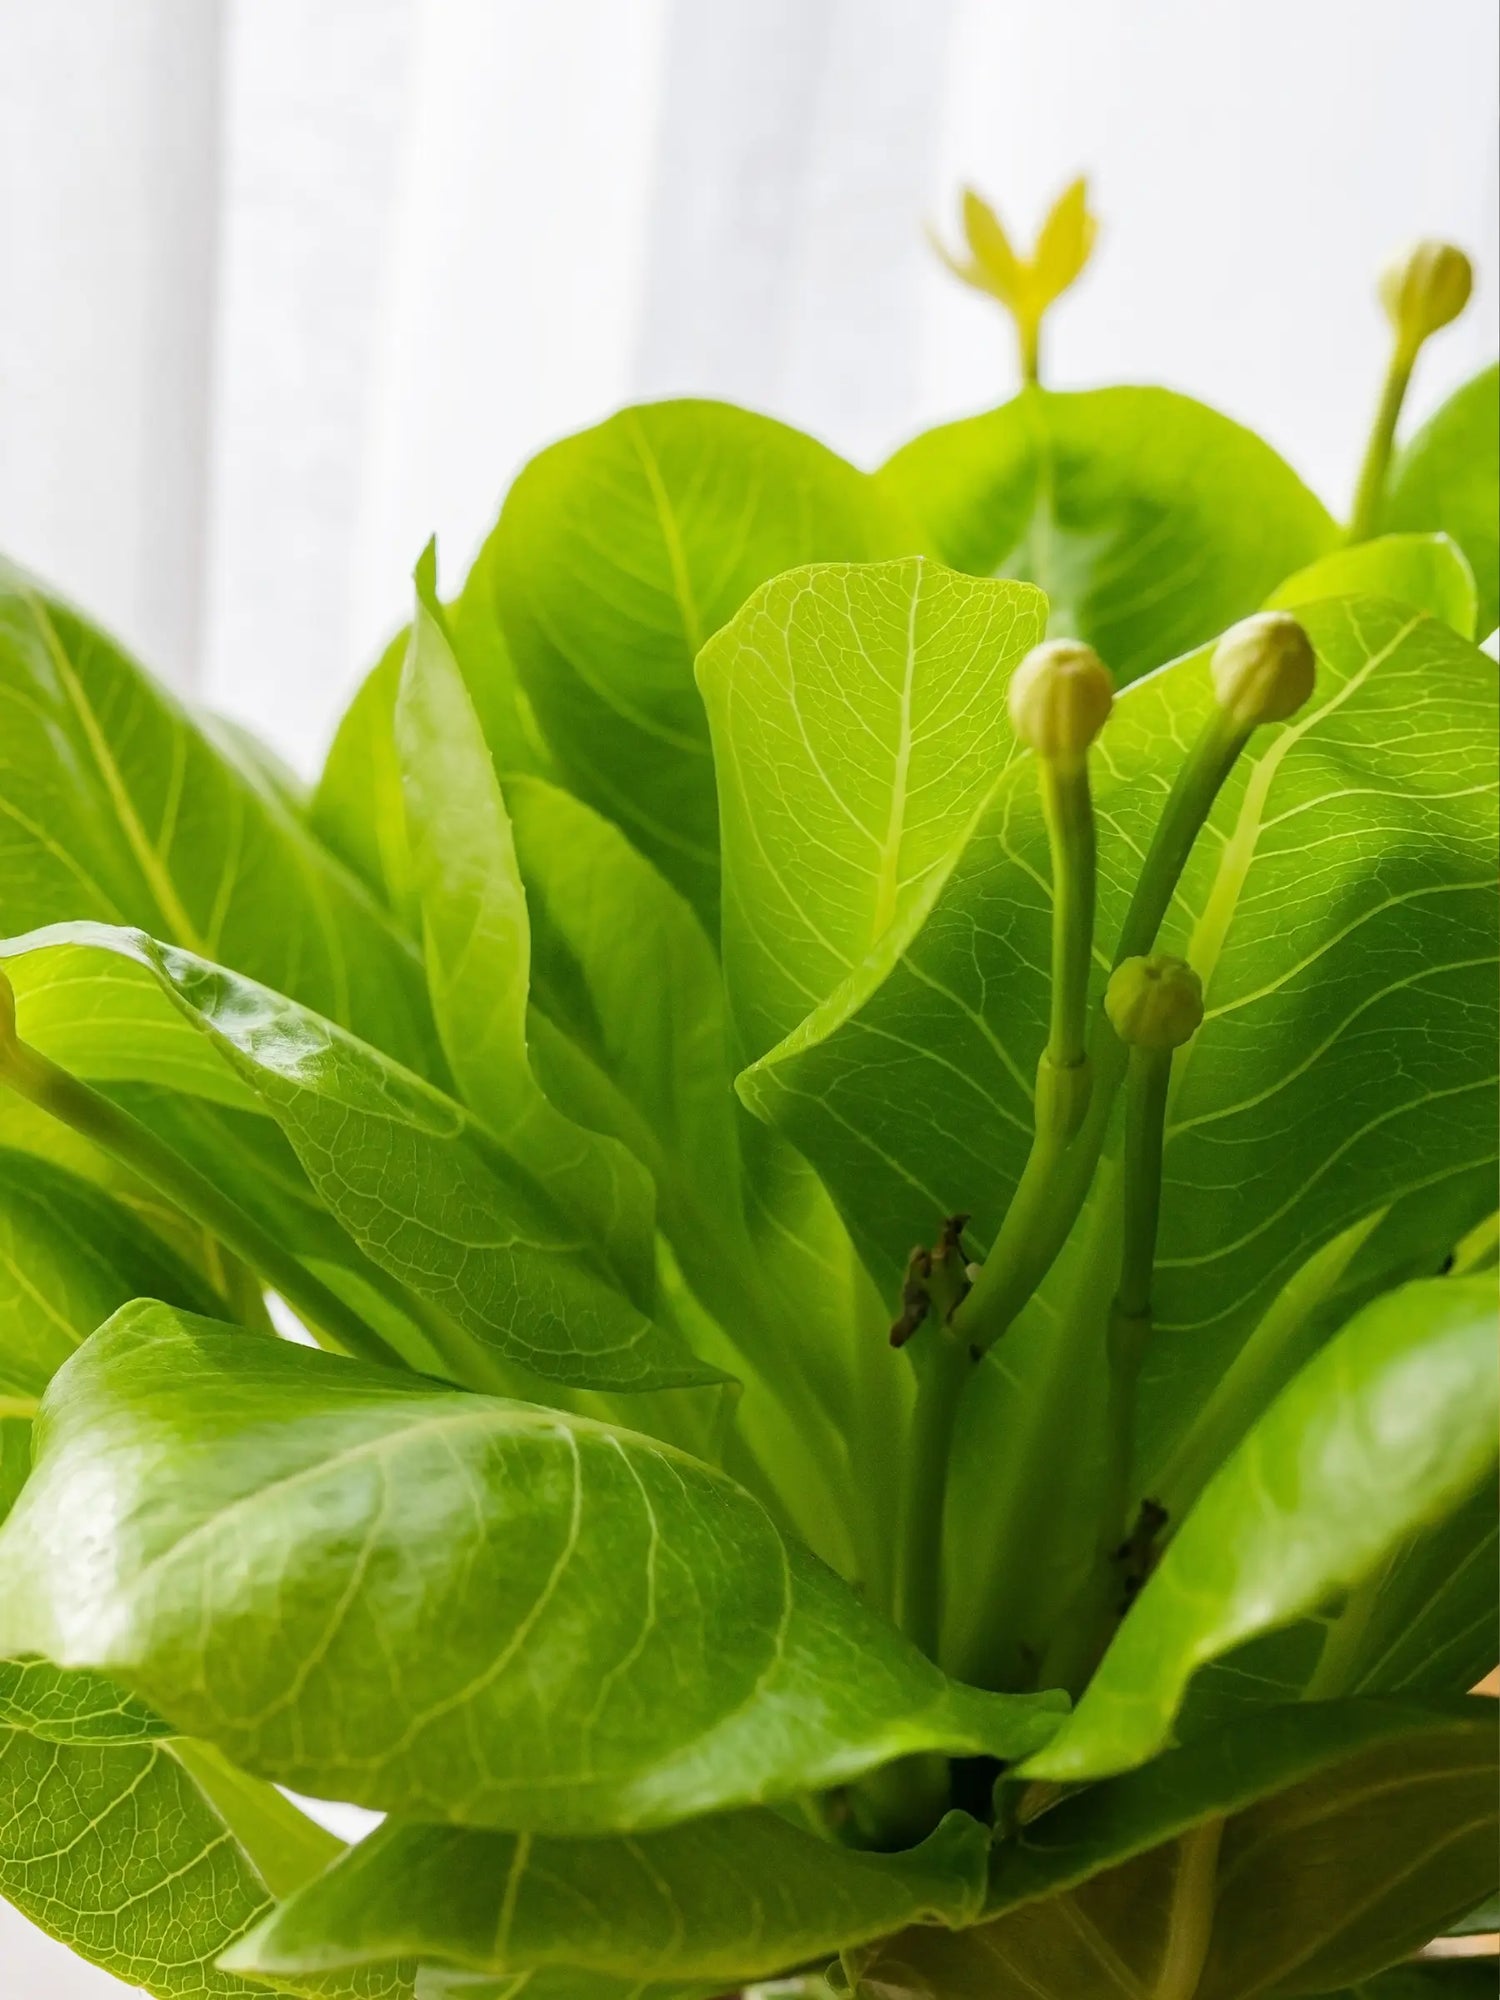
(1263,669)
(1060,698)
(1424,289)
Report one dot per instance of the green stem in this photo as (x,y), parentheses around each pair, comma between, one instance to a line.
(1370,490)
(943,1368)
(1148,1079)
(76,1104)
(1190,1917)
(1055,1179)
(1334,1674)
(1029,334)
(1069,813)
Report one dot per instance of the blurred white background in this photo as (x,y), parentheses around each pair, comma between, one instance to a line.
(289,284)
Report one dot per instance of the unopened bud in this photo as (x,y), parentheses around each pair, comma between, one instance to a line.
(1263,669)
(1155,1002)
(1425,288)
(1060,698)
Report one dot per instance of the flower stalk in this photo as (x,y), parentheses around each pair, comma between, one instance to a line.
(1262,670)
(1422,291)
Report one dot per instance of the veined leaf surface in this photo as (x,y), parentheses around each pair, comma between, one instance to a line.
(619,552)
(735,1897)
(1386,1431)
(1314,1847)
(453,1607)
(1150,521)
(478,947)
(1428,572)
(1447,478)
(858,718)
(121,809)
(426,1193)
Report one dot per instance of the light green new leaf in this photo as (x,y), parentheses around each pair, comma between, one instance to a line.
(449,1606)
(1387,1430)
(145,1856)
(424,1191)
(478,949)
(1314,1846)
(618,552)
(1428,572)
(357,808)
(68,1257)
(117,807)
(858,719)
(1150,521)
(1447,477)
(736,1897)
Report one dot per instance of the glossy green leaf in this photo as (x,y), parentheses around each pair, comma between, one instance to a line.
(1447,478)
(618,553)
(1385,1432)
(737,1897)
(428,1194)
(119,808)
(68,1257)
(1431,1626)
(1150,521)
(1316,1846)
(450,1606)
(858,719)
(132,1850)
(478,949)
(1428,572)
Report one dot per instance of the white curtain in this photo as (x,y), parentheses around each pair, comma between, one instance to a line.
(290,284)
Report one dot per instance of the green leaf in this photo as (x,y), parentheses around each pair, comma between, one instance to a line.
(858,719)
(1428,572)
(1447,478)
(449,1606)
(119,808)
(737,1897)
(1432,1627)
(357,809)
(436,1982)
(426,1193)
(1312,1846)
(1150,521)
(1316,928)
(478,949)
(1387,1430)
(131,1849)
(1436,1979)
(68,1257)
(15,1459)
(618,552)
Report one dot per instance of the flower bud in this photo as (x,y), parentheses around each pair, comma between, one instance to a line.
(1155,1002)
(1060,698)
(1263,669)
(1424,289)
